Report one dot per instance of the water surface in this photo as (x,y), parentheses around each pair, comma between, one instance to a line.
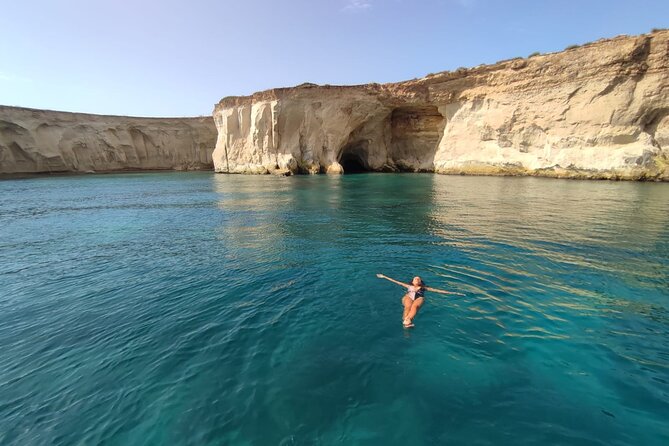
(198,309)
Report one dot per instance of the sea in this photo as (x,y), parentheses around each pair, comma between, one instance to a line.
(212,309)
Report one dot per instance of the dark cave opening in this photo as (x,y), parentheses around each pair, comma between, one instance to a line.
(352,163)
(354,157)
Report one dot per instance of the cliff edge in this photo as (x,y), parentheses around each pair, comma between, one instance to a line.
(600,110)
(35,141)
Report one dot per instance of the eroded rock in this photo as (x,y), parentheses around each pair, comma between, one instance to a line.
(33,141)
(590,112)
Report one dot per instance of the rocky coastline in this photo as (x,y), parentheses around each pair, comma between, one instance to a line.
(597,111)
(45,141)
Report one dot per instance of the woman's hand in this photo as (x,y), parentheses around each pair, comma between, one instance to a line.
(383,276)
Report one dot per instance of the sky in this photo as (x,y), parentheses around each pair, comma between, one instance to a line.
(178,58)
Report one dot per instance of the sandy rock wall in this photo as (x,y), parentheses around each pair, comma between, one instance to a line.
(596,111)
(305,133)
(34,141)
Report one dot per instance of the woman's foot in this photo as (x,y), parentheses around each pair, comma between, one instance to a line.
(407,323)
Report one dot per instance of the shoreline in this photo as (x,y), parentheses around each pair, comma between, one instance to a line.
(573,177)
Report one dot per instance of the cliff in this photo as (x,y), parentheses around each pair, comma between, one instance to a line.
(600,110)
(34,141)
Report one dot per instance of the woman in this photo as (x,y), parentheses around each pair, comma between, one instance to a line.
(414,298)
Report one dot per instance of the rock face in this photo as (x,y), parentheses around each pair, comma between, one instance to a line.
(34,141)
(596,111)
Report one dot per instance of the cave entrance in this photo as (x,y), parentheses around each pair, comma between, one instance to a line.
(352,163)
(353,158)
(415,135)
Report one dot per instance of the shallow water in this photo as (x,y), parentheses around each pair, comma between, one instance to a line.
(196,308)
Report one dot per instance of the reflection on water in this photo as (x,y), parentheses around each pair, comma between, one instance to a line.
(201,308)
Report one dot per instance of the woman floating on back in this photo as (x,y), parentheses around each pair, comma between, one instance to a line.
(414,298)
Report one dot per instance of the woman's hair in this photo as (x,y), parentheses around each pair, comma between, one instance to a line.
(422,284)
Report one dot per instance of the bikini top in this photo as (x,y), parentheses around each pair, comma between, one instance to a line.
(416,291)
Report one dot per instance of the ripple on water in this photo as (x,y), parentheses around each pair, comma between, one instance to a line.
(213,309)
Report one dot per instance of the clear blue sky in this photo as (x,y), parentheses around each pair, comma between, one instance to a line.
(178,58)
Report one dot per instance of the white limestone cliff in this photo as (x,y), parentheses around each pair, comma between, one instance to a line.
(35,141)
(596,111)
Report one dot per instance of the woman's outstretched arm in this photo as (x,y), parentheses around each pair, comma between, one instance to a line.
(382,276)
(442,291)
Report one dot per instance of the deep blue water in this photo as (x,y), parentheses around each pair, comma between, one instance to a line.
(203,309)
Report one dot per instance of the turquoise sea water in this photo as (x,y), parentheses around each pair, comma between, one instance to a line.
(203,309)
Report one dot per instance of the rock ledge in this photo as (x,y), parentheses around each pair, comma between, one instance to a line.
(600,110)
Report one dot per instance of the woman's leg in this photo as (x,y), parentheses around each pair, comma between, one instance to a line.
(414,308)
(407,302)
